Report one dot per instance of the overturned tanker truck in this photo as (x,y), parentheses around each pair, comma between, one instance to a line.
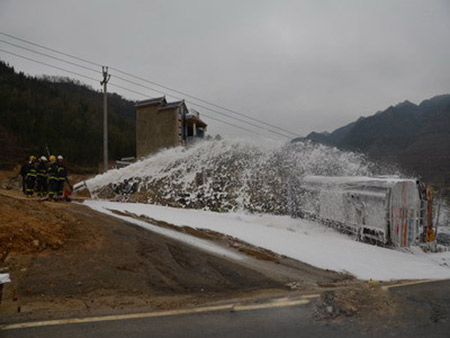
(380,210)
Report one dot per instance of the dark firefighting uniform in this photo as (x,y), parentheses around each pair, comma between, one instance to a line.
(42,179)
(52,180)
(30,178)
(62,176)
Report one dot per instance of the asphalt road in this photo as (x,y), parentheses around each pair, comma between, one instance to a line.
(292,321)
(424,312)
(426,309)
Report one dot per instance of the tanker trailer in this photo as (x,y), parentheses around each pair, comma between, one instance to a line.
(378,210)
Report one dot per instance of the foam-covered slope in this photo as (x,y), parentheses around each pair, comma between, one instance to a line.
(227,175)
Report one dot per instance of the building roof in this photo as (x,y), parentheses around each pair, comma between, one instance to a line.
(151,102)
(195,119)
(172,105)
(162,103)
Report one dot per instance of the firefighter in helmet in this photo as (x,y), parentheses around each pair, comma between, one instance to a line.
(52,178)
(30,177)
(42,177)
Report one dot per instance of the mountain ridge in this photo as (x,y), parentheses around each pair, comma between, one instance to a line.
(416,137)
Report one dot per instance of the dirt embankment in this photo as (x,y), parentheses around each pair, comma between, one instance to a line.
(65,259)
(28,227)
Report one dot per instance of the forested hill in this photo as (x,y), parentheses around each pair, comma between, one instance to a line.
(62,114)
(417,137)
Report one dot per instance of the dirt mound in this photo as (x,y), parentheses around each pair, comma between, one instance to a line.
(29,227)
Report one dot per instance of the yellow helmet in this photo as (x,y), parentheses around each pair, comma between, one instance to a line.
(32,158)
(52,158)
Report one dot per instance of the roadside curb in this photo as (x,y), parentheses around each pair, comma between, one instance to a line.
(234,307)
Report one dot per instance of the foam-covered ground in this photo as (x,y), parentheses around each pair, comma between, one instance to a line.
(305,241)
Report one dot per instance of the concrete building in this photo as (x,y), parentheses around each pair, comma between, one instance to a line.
(161,124)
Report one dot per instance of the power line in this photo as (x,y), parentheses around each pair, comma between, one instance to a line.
(49,65)
(138,84)
(201,106)
(115,85)
(162,86)
(50,56)
(52,50)
(201,100)
(208,116)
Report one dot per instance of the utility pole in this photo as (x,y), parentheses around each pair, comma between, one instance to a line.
(106,78)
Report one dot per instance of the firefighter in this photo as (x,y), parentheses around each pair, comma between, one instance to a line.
(42,177)
(52,173)
(30,177)
(62,176)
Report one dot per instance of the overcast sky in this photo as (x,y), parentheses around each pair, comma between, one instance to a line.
(304,66)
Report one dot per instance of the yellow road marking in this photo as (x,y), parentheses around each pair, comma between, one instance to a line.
(387,287)
(114,317)
(270,305)
(230,307)
(311,296)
